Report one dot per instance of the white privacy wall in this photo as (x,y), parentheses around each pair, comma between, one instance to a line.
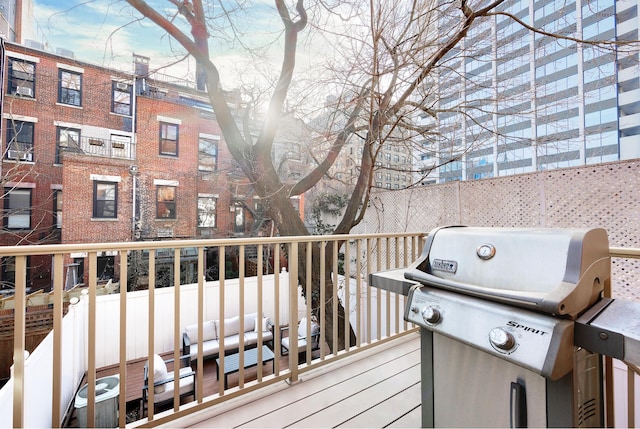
(38,380)
(38,367)
(108,311)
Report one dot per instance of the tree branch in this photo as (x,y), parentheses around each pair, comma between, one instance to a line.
(314,176)
(274,111)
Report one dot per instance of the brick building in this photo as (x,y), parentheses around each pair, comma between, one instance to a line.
(132,158)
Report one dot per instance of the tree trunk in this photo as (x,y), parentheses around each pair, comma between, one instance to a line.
(290,224)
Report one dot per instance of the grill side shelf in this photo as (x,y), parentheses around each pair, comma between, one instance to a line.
(612,328)
(392,281)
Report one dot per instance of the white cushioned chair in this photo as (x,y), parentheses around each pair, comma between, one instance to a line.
(302,337)
(163,383)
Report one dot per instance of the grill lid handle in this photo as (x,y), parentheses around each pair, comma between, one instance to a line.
(527,299)
(567,299)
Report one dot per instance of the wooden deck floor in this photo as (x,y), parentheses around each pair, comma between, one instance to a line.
(135,375)
(376,388)
(135,381)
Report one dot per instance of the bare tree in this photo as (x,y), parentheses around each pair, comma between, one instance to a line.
(387,60)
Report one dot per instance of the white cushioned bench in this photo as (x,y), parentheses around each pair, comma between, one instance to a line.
(232,337)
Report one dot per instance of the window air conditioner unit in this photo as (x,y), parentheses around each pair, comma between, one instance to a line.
(24,90)
(16,154)
(122,86)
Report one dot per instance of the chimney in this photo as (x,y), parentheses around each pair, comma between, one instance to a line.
(141,65)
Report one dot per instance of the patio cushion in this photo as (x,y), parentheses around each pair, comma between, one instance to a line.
(250,322)
(231,326)
(264,324)
(159,373)
(209,331)
(231,341)
(252,337)
(302,344)
(208,348)
(186,385)
(302,328)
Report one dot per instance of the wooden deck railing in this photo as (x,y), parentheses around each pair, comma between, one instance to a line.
(633,372)
(375,315)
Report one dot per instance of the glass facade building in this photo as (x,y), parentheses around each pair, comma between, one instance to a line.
(515,101)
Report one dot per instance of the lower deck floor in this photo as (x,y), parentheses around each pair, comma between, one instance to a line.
(376,388)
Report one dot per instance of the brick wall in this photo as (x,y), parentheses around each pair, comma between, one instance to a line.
(77,172)
(79,225)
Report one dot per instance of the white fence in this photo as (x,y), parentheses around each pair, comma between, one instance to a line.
(38,383)
(108,312)
(38,366)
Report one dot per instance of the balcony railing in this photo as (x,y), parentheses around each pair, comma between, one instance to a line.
(107,148)
(114,329)
(119,328)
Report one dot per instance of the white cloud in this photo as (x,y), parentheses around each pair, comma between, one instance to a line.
(109,32)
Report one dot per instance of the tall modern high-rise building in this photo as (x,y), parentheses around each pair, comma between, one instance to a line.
(16,18)
(513,100)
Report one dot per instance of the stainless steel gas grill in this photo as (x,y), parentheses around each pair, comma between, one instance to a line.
(498,310)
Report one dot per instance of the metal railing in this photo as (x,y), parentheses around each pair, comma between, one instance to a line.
(375,316)
(107,148)
(632,371)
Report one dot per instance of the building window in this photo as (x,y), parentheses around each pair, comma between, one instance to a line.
(121,98)
(238,224)
(294,152)
(168,139)
(207,212)
(105,267)
(19,140)
(22,77)
(8,269)
(105,200)
(67,137)
(80,262)
(17,208)
(207,155)
(70,88)
(166,202)
(57,208)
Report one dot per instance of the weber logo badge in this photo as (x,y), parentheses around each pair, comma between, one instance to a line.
(446,266)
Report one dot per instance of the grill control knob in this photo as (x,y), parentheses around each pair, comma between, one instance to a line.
(431,315)
(502,339)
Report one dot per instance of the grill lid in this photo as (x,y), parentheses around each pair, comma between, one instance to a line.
(555,271)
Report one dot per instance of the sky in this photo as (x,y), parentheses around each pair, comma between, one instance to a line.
(108,32)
